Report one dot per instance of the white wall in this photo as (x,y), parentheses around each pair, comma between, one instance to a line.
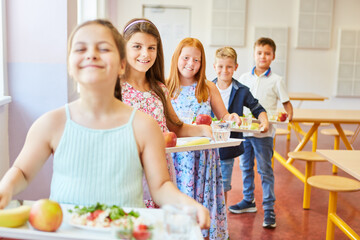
(37,73)
(308,70)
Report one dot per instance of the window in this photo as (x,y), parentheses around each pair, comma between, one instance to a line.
(3,76)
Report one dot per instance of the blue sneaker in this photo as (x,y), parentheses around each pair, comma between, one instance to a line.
(269,219)
(243,207)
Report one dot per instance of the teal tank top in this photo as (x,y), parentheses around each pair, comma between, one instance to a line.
(92,165)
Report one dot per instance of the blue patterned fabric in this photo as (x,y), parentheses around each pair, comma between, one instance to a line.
(198,173)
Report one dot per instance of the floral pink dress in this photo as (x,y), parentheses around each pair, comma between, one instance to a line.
(148,102)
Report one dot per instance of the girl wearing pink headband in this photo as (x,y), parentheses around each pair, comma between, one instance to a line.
(143,85)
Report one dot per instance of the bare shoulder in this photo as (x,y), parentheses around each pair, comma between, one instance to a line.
(49,127)
(143,121)
(212,86)
(53,118)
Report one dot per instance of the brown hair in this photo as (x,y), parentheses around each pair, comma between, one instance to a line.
(119,41)
(173,82)
(226,52)
(156,72)
(266,41)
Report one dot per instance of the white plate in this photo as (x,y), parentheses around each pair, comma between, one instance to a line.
(146,217)
(84,227)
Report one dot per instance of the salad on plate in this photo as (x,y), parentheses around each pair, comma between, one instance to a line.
(101,217)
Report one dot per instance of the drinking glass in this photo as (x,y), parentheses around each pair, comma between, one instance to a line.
(221,131)
(246,122)
(273,115)
(186,116)
(179,221)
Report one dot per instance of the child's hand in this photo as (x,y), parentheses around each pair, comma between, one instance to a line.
(290,115)
(5,197)
(264,126)
(233,117)
(206,131)
(264,122)
(203,216)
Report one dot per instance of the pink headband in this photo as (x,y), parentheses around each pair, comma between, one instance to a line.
(137,21)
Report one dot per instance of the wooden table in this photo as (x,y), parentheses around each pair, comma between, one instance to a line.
(316,117)
(302,96)
(305,96)
(348,161)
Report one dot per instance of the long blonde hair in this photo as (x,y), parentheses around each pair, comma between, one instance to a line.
(173,82)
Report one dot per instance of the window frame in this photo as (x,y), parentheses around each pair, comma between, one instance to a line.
(4,99)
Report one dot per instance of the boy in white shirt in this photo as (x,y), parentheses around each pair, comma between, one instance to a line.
(268,88)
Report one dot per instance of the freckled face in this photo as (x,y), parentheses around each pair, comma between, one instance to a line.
(141,50)
(189,62)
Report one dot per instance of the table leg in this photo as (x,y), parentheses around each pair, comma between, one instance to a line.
(297,130)
(343,137)
(289,167)
(307,187)
(314,140)
(307,137)
(330,229)
(336,147)
(357,131)
(304,141)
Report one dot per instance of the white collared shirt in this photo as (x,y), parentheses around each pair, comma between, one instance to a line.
(268,88)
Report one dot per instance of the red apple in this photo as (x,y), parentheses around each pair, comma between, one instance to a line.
(170,139)
(46,215)
(282,116)
(203,119)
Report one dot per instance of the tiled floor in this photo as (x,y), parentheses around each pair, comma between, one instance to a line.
(292,221)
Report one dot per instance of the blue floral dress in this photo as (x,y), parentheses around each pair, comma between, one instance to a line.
(198,173)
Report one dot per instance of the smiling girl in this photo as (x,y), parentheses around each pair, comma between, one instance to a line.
(143,85)
(101,146)
(198,172)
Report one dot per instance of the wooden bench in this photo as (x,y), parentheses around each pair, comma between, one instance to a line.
(335,184)
(310,158)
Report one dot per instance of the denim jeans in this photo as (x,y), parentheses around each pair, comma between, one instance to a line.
(226,172)
(262,150)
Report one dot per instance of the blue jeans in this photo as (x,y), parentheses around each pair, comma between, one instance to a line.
(262,149)
(226,172)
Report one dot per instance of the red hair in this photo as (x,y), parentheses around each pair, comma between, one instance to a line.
(173,82)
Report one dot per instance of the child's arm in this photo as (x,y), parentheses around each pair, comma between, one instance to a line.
(186,130)
(289,109)
(257,110)
(36,150)
(218,106)
(152,153)
(264,122)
